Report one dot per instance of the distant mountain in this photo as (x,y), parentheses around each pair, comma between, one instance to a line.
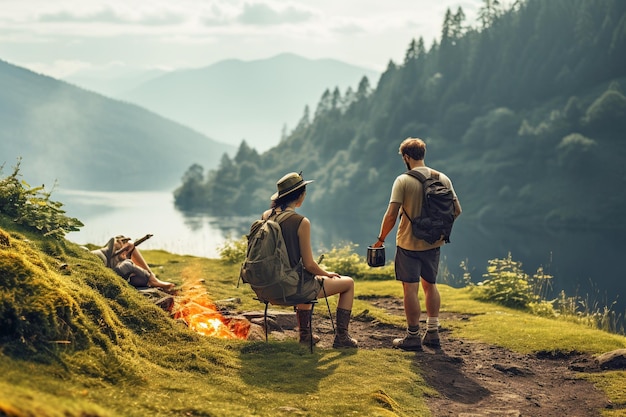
(234,100)
(112,83)
(87,141)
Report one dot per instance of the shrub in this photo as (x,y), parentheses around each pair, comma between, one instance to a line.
(607,112)
(506,284)
(509,285)
(233,251)
(542,308)
(33,208)
(574,149)
(344,260)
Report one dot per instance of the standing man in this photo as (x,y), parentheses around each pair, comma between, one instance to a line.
(415,259)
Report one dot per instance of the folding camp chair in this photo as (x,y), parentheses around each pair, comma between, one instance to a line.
(312,302)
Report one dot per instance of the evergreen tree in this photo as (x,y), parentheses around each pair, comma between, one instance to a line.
(364,89)
(336,100)
(446,31)
(488,13)
(348,98)
(421,49)
(457,28)
(411,53)
(324,105)
(305,120)
(246,153)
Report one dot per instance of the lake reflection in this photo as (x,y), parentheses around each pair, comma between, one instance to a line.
(135,214)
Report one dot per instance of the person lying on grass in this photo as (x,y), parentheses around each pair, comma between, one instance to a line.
(121,255)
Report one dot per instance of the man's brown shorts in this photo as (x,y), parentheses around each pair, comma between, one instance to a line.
(411,265)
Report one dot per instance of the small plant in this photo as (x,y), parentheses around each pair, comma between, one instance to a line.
(32,207)
(507,284)
(542,308)
(541,283)
(445,276)
(233,251)
(345,261)
(466,279)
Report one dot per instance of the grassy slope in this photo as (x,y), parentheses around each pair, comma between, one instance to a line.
(127,357)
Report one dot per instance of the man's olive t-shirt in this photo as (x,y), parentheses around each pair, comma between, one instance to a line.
(408,192)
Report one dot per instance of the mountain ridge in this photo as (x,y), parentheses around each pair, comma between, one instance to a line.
(85,140)
(234,100)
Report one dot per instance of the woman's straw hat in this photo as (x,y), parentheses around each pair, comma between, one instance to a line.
(288,184)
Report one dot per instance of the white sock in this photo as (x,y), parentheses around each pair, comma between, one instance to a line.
(413,330)
(432,324)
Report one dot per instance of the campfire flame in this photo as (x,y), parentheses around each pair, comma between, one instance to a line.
(195,308)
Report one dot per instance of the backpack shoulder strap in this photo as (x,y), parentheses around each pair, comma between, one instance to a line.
(282,216)
(419,176)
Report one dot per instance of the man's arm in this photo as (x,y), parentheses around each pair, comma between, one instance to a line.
(457,208)
(388,223)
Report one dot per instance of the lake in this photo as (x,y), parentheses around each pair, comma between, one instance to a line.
(581,262)
(135,214)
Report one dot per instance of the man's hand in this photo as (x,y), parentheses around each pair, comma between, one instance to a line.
(127,249)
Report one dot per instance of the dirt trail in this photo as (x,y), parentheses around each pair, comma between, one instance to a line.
(475,379)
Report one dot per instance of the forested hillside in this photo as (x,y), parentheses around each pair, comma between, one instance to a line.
(87,141)
(524,110)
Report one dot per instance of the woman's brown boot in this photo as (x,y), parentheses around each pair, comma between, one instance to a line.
(304,326)
(342,338)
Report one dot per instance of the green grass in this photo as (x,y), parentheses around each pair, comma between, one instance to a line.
(612,383)
(78,341)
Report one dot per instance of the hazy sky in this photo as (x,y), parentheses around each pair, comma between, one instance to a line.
(61,37)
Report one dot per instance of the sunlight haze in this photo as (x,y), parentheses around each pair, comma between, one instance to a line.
(63,38)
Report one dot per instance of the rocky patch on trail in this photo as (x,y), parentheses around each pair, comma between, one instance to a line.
(475,379)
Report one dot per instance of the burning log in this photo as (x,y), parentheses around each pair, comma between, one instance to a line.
(195,308)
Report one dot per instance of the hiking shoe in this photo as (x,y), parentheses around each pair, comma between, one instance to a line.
(306,338)
(343,340)
(408,342)
(431,339)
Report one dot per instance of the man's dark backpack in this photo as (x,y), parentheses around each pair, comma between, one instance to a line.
(266,267)
(437,216)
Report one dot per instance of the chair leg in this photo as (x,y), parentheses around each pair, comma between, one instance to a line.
(311,328)
(311,342)
(328,306)
(265,320)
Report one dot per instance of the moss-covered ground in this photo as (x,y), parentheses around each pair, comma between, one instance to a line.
(76,340)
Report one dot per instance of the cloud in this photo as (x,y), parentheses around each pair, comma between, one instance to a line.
(59,36)
(108,15)
(349,29)
(164,19)
(263,15)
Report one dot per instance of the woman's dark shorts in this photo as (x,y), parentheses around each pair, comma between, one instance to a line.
(411,265)
(308,290)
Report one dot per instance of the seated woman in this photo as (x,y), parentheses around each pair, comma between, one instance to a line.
(121,255)
(296,231)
